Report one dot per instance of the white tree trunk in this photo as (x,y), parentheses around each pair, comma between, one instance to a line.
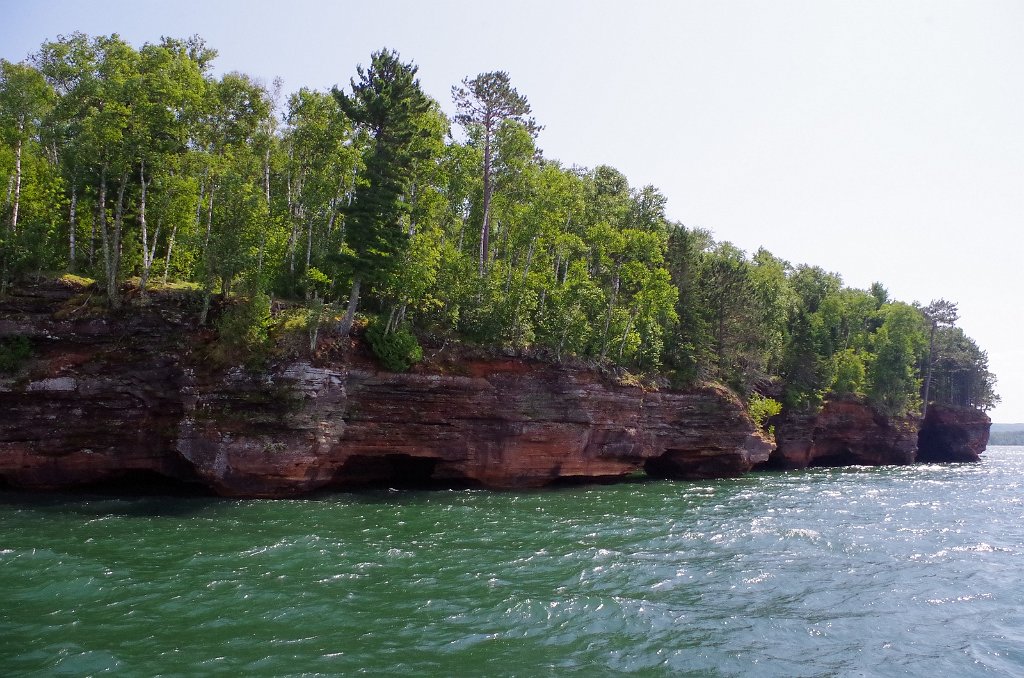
(485,230)
(209,218)
(105,240)
(147,253)
(72,225)
(350,312)
(17,178)
(309,244)
(170,246)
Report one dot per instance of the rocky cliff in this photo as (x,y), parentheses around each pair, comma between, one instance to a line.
(842,433)
(127,399)
(850,432)
(135,399)
(953,434)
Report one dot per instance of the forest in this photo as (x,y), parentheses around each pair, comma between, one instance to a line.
(367,208)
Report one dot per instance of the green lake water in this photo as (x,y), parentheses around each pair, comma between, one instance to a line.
(829,572)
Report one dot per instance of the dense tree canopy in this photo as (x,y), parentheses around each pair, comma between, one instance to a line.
(135,165)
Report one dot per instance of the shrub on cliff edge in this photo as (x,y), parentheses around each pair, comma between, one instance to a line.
(762,409)
(397,350)
(244,331)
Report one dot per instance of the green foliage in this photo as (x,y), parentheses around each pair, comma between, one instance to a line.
(961,372)
(850,373)
(397,350)
(244,331)
(139,161)
(314,316)
(317,281)
(488,99)
(319,161)
(762,409)
(567,321)
(14,352)
(813,337)
(898,345)
(233,247)
(495,116)
(728,302)
(387,103)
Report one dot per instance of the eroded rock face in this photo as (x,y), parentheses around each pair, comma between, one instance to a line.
(510,424)
(103,399)
(843,433)
(98,400)
(106,399)
(953,434)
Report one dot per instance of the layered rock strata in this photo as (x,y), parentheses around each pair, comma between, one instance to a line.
(842,433)
(106,399)
(134,400)
(850,432)
(512,424)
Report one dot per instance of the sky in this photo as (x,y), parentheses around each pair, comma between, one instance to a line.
(882,140)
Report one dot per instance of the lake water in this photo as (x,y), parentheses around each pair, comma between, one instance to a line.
(829,572)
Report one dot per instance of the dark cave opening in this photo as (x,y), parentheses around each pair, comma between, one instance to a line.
(396,471)
(144,483)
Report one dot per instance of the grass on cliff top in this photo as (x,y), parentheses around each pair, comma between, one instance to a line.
(77,282)
(158,285)
(82,283)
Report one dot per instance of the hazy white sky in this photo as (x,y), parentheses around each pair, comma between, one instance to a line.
(880,140)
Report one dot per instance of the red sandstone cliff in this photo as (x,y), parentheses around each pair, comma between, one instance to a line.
(105,398)
(517,424)
(953,434)
(851,432)
(843,433)
(124,399)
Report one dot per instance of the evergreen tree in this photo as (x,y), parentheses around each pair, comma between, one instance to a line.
(488,100)
(387,104)
(939,313)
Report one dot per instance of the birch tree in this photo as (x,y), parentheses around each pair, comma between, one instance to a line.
(25,98)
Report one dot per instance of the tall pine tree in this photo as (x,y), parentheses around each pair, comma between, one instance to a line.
(388,104)
(487,100)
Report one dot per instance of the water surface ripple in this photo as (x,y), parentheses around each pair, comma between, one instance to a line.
(829,572)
